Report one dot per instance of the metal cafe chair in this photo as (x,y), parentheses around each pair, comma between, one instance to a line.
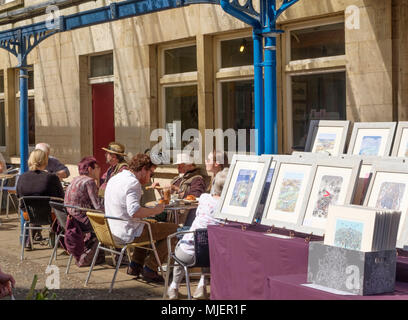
(12,173)
(106,242)
(201,257)
(39,213)
(61,214)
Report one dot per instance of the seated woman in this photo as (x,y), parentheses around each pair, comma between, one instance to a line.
(189,183)
(37,182)
(185,247)
(83,192)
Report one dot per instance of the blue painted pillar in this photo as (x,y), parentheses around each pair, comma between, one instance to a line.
(271,132)
(258,90)
(23,79)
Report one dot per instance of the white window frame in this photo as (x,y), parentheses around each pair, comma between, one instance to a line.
(331,64)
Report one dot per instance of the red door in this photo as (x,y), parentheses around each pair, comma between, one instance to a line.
(103,120)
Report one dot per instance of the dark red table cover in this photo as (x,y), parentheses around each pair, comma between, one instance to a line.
(289,287)
(241,260)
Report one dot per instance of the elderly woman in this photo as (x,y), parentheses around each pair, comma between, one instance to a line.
(38,182)
(216,162)
(83,192)
(185,247)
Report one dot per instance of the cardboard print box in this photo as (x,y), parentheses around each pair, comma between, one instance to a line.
(357,272)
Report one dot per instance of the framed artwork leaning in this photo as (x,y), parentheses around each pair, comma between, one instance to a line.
(326,136)
(388,189)
(243,188)
(400,146)
(286,198)
(372,138)
(334,183)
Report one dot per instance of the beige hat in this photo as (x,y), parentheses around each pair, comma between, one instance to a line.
(116,148)
(184,158)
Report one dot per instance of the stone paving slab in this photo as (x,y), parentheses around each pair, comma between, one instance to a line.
(72,285)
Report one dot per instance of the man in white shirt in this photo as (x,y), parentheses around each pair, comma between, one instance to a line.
(122,200)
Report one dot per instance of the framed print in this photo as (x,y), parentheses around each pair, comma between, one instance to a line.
(388,189)
(334,183)
(400,147)
(365,173)
(289,187)
(351,227)
(325,136)
(372,138)
(242,190)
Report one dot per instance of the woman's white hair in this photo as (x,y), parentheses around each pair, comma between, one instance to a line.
(219,182)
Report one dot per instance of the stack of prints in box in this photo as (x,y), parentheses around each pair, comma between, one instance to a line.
(362,228)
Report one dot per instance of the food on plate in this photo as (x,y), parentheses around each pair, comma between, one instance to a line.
(163,201)
(190,197)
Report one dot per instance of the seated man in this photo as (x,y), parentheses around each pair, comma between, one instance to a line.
(185,248)
(54,165)
(122,200)
(190,181)
(83,192)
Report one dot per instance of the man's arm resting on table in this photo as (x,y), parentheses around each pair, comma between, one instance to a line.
(148,212)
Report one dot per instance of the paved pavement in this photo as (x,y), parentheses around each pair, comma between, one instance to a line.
(72,285)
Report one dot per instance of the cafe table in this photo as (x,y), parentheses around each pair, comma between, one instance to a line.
(174,208)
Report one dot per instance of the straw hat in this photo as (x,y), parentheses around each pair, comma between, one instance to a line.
(116,148)
(184,158)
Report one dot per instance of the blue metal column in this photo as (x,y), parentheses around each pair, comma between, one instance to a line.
(23,126)
(258,88)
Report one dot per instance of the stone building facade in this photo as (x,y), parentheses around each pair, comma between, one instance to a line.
(338,59)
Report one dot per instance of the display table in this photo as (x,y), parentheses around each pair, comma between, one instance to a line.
(289,287)
(241,260)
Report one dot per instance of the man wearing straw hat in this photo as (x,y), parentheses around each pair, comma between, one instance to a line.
(115,154)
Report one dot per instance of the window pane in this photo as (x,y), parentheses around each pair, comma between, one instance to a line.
(31,122)
(1,83)
(102,65)
(180,60)
(322,41)
(316,97)
(238,107)
(30,79)
(237,52)
(2,124)
(182,105)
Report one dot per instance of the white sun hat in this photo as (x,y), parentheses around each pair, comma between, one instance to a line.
(184,157)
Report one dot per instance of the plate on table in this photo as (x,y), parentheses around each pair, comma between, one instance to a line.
(189,201)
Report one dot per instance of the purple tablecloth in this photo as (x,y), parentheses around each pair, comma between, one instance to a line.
(241,260)
(289,287)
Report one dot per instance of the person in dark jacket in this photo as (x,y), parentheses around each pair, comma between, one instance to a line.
(38,182)
(190,181)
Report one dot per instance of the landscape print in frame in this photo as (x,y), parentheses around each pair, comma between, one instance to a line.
(372,138)
(291,182)
(334,183)
(243,187)
(327,136)
(388,189)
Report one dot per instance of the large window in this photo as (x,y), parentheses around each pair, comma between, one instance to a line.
(178,83)
(316,97)
(235,87)
(315,78)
